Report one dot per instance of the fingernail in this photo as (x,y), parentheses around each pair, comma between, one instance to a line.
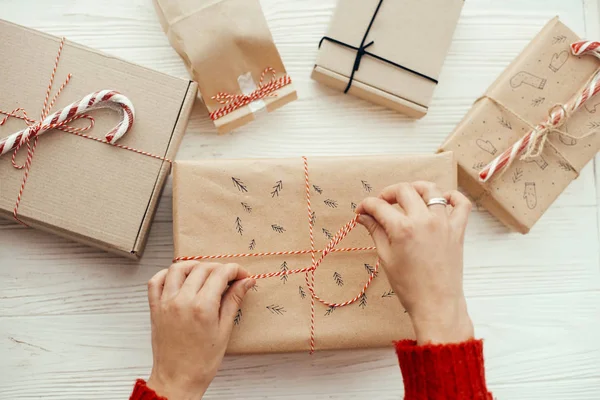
(249,284)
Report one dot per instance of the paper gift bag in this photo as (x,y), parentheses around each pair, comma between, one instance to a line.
(537,83)
(389,52)
(228,49)
(92,192)
(257,210)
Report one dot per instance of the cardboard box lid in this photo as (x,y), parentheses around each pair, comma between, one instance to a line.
(80,188)
(414,34)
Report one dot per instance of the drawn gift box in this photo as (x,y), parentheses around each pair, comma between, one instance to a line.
(536,93)
(388,52)
(91,192)
(257,213)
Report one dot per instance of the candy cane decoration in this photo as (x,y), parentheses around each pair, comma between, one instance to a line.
(557,116)
(60,119)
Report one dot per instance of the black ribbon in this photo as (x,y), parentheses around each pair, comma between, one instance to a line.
(362,51)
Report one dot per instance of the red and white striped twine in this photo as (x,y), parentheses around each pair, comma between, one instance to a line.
(232,102)
(309,271)
(60,120)
(557,116)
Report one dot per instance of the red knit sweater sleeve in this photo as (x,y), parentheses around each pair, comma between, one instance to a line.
(143,392)
(443,372)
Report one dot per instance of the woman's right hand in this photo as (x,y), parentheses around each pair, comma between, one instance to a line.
(421,249)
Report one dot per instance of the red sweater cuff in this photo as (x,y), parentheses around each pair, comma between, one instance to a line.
(444,371)
(143,392)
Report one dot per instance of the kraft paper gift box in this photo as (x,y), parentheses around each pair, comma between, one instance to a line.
(87,191)
(256,206)
(544,75)
(388,52)
(228,49)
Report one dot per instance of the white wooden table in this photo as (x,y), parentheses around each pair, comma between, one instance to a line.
(74,322)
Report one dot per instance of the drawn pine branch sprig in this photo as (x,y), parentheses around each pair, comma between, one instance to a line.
(317,189)
(246,207)
(238,226)
(366,186)
(238,317)
(327,234)
(254,288)
(594,125)
(370,269)
(517,175)
(559,39)
(538,101)
(389,293)
(278,228)
(277,188)
(565,166)
(284,268)
(353,206)
(276,309)
(478,166)
(362,303)
(239,184)
(252,245)
(301,292)
(329,310)
(505,123)
(313,218)
(331,203)
(337,277)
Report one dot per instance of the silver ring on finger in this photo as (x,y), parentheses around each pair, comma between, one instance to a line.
(437,200)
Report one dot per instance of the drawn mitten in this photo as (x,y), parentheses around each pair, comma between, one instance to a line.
(530,195)
(525,78)
(558,60)
(486,146)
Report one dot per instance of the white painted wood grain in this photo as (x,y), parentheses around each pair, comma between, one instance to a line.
(74,320)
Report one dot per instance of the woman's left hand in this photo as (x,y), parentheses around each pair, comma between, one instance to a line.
(192,307)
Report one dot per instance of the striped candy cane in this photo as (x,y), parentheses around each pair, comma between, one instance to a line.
(557,116)
(60,119)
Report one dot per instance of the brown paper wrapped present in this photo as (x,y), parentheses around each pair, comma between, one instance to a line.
(91,192)
(250,207)
(228,49)
(399,46)
(537,83)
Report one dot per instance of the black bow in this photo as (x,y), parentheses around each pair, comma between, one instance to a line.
(362,51)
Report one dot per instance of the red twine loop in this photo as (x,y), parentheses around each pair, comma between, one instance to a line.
(232,102)
(309,271)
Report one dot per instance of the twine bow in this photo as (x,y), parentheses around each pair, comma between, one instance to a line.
(532,144)
(232,102)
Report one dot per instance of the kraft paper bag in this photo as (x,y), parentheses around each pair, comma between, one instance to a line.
(227,48)
(389,52)
(225,207)
(545,74)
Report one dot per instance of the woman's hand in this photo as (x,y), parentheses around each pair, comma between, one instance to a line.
(421,249)
(192,307)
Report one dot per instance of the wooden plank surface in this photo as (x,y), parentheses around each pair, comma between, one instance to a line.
(74,321)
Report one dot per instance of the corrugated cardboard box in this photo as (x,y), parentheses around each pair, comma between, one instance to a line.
(90,192)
